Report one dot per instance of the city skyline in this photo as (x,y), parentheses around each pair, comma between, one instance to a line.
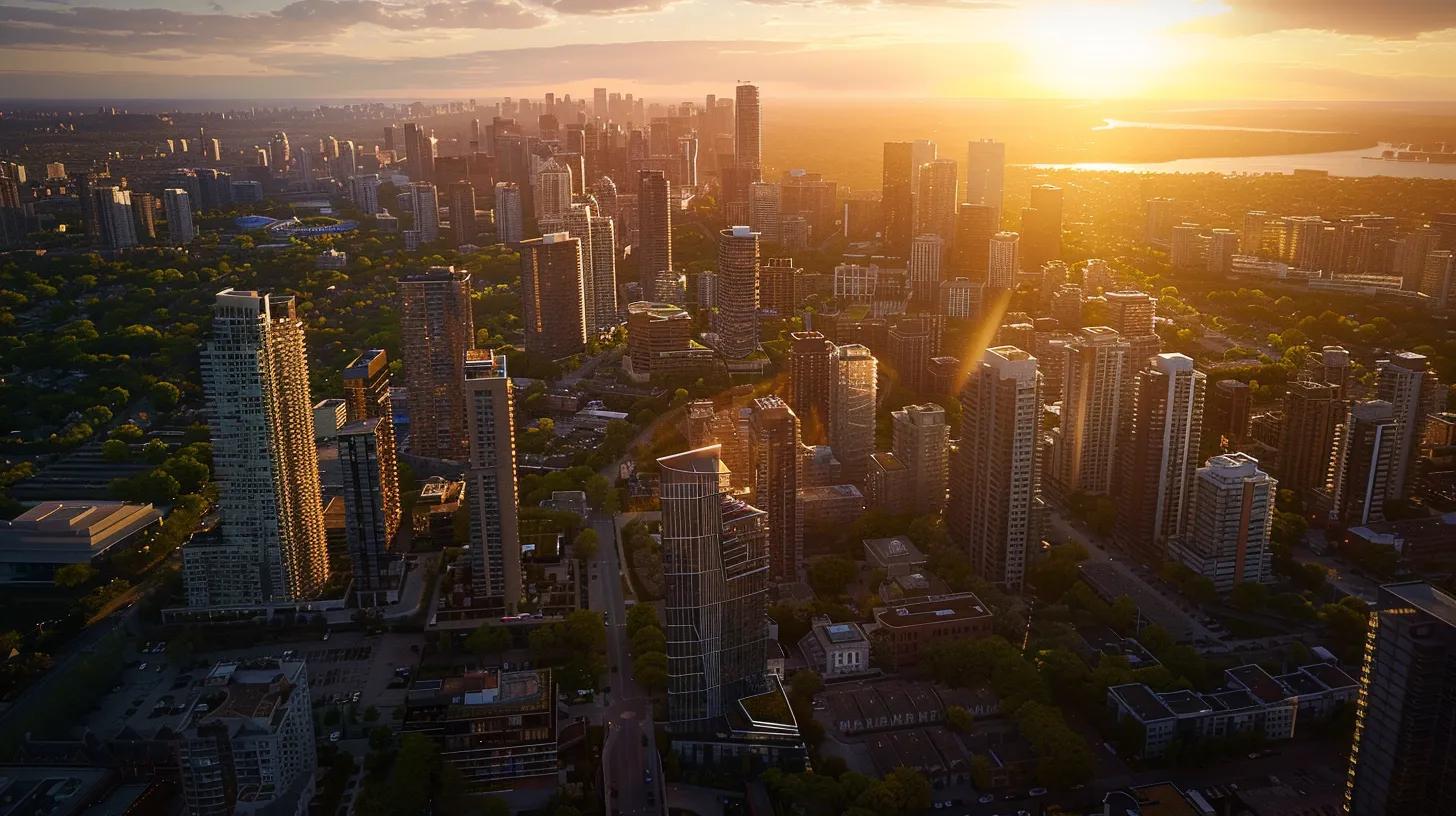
(1027,49)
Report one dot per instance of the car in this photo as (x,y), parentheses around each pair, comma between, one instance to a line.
(326,636)
(336,736)
(939,806)
(987,798)
(1037,792)
(647,776)
(355,697)
(142,667)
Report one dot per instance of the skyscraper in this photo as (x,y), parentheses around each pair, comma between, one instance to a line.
(774,451)
(255,375)
(1041,226)
(975,224)
(1413,391)
(436,329)
(1086,441)
(811,378)
(424,203)
(603,282)
(116,223)
(852,399)
(924,269)
(1367,454)
(1313,413)
(178,205)
(509,221)
(1004,262)
(278,153)
(1405,718)
(554,313)
(419,148)
(1159,455)
(462,212)
(553,190)
(366,396)
(764,211)
(715,568)
(654,233)
(1227,537)
(897,198)
(736,318)
(495,540)
(985,173)
(371,506)
(935,200)
(995,482)
(920,439)
(748,134)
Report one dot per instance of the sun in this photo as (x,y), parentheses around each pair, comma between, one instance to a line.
(1095,51)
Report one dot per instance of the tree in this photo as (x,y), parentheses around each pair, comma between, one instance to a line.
(829,576)
(115,450)
(164,395)
(959,719)
(488,640)
(648,639)
(586,544)
(650,669)
(75,576)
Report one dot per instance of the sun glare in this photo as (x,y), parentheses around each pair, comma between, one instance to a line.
(1097,52)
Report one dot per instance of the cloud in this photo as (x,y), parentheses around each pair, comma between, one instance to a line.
(148,30)
(951,4)
(1386,19)
(602,7)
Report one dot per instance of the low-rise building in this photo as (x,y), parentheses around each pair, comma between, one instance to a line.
(493,726)
(1252,700)
(54,534)
(329,416)
(432,518)
(904,629)
(837,505)
(896,555)
(836,649)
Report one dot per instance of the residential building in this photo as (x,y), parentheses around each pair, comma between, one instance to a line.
(926,253)
(553,190)
(1159,456)
(264,462)
(653,247)
(936,200)
(1405,745)
(1227,538)
(811,378)
(1229,406)
(490,476)
(366,395)
(463,226)
(736,318)
(995,480)
(852,399)
(897,197)
(1407,382)
(716,566)
(424,205)
(116,223)
(1085,444)
(660,342)
(905,629)
(921,440)
(601,285)
(552,294)
(774,452)
(1367,454)
(510,227)
(369,520)
(1313,413)
(1004,262)
(178,206)
(971,249)
(437,327)
(776,286)
(496,727)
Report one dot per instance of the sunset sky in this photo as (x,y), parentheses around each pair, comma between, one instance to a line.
(670,49)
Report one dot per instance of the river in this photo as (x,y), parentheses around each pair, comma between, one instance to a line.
(1360,163)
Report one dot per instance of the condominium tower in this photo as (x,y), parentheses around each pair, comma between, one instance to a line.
(852,396)
(774,451)
(1159,455)
(554,311)
(490,476)
(736,318)
(436,329)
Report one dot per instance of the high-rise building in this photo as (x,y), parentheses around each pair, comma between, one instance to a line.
(985,174)
(490,476)
(748,134)
(1004,261)
(1041,228)
(366,396)
(1229,410)
(1438,278)
(774,453)
(462,212)
(1313,413)
(116,222)
(736,318)
(765,211)
(924,271)
(910,343)
(852,398)
(510,225)
(1367,454)
(811,378)
(716,568)
(247,745)
(553,189)
(1404,751)
(935,201)
(554,311)
(971,251)
(1084,453)
(995,481)
(1130,313)
(1330,365)
(897,199)
(1162,217)
(369,522)
(1407,382)
(436,329)
(178,206)
(776,286)
(920,438)
(654,233)
(1227,537)
(419,148)
(424,204)
(278,153)
(364,192)
(959,298)
(1159,455)
(603,282)
(255,374)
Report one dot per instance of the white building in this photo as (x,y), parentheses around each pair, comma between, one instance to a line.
(1005,261)
(855,283)
(1227,538)
(959,298)
(509,224)
(836,649)
(424,204)
(364,192)
(553,190)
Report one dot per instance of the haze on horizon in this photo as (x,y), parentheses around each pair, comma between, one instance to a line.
(1149,49)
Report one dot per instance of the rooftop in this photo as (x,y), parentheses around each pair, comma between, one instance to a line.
(1142,702)
(1426,598)
(932,609)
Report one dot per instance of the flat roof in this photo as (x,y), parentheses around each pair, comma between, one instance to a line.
(932,609)
(1142,702)
(1426,598)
